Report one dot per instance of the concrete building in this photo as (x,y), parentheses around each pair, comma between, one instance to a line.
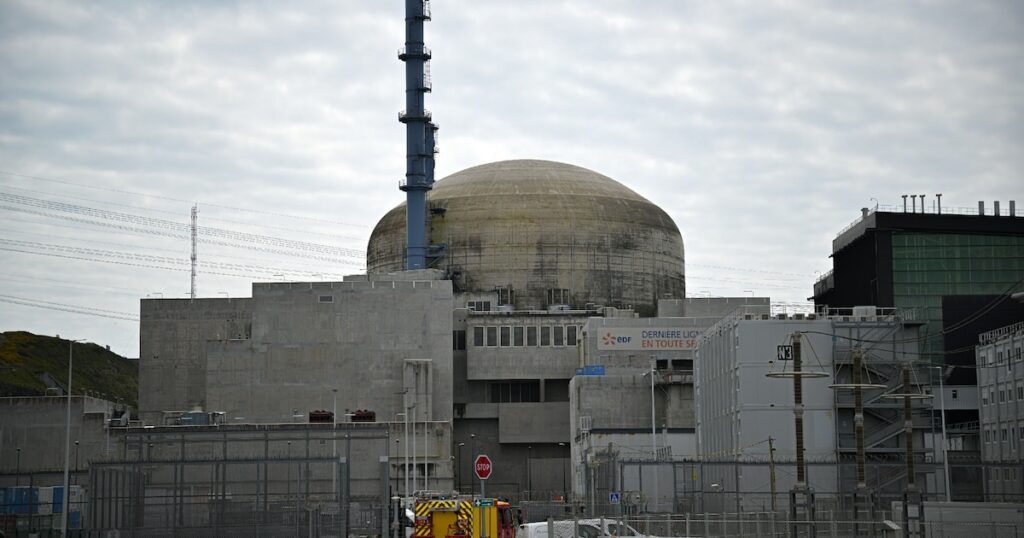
(1001,384)
(955,269)
(380,343)
(739,407)
(612,394)
(32,435)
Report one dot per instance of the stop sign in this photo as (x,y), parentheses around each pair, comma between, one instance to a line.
(482,467)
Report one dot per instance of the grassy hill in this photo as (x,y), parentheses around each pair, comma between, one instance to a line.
(26,357)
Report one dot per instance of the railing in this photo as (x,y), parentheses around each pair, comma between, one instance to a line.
(996,334)
(404,51)
(970,211)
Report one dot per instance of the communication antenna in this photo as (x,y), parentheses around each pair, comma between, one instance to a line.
(195,214)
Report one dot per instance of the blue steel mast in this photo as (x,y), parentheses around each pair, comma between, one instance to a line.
(419,133)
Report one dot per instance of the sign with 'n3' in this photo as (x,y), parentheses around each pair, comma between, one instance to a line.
(647,338)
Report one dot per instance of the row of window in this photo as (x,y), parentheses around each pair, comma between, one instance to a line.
(1004,434)
(1005,394)
(515,392)
(530,336)
(998,357)
(1009,473)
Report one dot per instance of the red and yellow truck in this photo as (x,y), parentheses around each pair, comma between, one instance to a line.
(462,517)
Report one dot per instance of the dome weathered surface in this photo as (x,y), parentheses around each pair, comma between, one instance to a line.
(535,226)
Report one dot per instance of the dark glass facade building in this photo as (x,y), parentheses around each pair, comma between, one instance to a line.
(954,272)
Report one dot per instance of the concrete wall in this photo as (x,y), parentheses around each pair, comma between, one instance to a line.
(710,307)
(36,425)
(357,337)
(172,349)
(545,422)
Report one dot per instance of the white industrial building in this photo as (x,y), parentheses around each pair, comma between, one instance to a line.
(740,407)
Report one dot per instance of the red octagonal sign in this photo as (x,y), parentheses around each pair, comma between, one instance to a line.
(482,467)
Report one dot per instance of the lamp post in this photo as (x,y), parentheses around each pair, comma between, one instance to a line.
(565,491)
(945,441)
(334,442)
(67,441)
(76,461)
(458,465)
(473,454)
(654,434)
(405,463)
(529,472)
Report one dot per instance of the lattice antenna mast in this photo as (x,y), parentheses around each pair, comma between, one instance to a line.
(195,215)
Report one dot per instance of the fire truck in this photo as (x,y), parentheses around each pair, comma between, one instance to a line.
(462,517)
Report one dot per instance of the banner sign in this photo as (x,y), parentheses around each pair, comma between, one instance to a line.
(647,338)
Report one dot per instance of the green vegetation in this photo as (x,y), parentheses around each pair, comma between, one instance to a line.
(26,357)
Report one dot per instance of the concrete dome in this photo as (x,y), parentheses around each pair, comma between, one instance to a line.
(537,226)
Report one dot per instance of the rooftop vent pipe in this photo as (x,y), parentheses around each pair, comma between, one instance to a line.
(419,134)
(1013,208)
(938,200)
(913,203)
(981,207)
(904,203)
(922,202)
(995,208)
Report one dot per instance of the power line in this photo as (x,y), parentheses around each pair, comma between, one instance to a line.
(75,309)
(160,197)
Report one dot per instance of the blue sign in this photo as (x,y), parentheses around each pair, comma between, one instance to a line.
(593,369)
(613,497)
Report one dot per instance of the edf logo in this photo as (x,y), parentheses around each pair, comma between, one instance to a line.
(610,339)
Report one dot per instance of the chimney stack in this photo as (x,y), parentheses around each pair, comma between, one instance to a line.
(981,207)
(995,208)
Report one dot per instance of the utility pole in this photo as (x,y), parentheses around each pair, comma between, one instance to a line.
(771,467)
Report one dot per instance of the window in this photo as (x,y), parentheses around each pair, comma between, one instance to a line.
(506,336)
(505,295)
(479,306)
(545,336)
(1019,357)
(1020,392)
(1002,395)
(478,336)
(531,336)
(1004,434)
(558,296)
(954,393)
(492,336)
(988,435)
(326,298)
(984,396)
(517,336)
(559,335)
(515,392)
(570,335)
(459,340)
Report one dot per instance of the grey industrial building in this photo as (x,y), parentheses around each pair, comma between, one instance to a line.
(1001,385)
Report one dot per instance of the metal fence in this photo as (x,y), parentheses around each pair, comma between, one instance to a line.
(769,524)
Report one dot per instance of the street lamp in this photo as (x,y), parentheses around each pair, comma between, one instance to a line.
(945,441)
(67,443)
(334,441)
(405,465)
(76,461)
(458,465)
(565,492)
(472,485)
(654,433)
(529,472)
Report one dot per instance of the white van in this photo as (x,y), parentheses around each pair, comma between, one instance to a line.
(588,528)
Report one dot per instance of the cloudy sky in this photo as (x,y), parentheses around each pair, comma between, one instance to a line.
(761,128)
